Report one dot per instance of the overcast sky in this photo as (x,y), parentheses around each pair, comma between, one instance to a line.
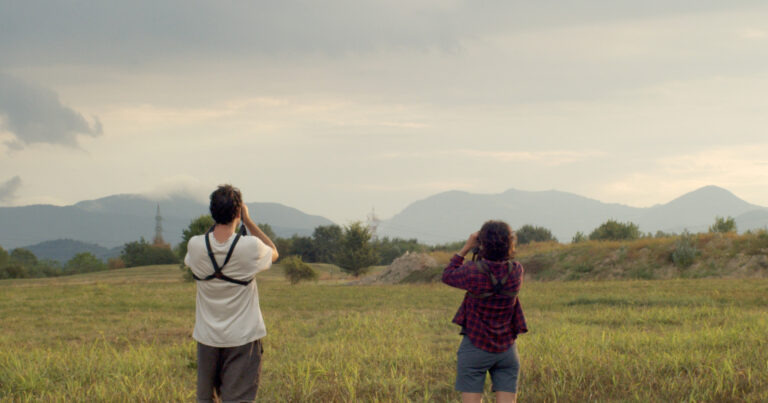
(337,107)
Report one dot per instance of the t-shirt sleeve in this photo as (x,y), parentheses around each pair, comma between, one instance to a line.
(188,258)
(262,256)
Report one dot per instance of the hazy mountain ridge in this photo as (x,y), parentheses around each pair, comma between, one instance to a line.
(452,215)
(114,220)
(62,250)
(449,216)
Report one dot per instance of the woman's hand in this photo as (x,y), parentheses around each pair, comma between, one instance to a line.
(470,244)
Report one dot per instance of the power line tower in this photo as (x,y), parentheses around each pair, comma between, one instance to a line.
(158,229)
(373,224)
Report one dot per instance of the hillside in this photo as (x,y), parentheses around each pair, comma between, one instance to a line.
(112,221)
(700,255)
(451,216)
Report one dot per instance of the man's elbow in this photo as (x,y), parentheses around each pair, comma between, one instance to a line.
(275,255)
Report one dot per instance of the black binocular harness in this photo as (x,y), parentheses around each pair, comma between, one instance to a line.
(216,268)
(498,285)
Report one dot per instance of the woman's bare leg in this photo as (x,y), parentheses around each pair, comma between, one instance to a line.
(471,397)
(506,397)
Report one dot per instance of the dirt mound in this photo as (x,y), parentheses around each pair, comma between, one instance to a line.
(401,268)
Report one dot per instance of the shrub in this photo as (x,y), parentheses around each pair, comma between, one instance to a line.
(14,270)
(613,230)
(84,263)
(296,270)
(685,250)
(578,237)
(723,225)
(115,263)
(529,233)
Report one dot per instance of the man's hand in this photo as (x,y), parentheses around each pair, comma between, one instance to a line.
(244,213)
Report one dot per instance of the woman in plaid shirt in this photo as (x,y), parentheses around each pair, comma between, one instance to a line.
(490,315)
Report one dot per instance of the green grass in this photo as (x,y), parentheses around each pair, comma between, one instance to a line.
(125,335)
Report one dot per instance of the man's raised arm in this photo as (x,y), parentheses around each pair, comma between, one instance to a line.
(257,232)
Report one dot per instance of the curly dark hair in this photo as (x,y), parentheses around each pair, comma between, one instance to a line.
(497,241)
(225,204)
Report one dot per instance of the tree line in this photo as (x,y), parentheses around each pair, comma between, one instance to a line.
(353,248)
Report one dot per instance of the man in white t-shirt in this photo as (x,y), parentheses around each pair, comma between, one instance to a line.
(228,321)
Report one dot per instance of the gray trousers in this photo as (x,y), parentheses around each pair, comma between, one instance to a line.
(228,374)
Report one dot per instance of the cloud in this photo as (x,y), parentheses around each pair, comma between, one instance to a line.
(36,115)
(9,188)
(125,32)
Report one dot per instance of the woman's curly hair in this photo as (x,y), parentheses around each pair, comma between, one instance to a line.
(497,241)
(225,204)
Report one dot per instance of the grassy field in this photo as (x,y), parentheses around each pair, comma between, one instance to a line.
(125,335)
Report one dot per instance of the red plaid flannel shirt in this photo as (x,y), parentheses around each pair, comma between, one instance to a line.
(493,323)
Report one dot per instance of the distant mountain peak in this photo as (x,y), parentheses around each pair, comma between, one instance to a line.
(710,195)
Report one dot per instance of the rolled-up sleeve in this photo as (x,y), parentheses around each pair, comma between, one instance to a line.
(455,274)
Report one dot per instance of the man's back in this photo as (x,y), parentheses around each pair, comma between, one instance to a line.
(228,314)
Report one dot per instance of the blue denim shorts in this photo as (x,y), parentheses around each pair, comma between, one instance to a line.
(473,363)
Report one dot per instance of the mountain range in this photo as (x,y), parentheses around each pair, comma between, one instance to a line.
(453,215)
(450,216)
(114,220)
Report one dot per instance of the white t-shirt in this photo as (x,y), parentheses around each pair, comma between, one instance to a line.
(228,314)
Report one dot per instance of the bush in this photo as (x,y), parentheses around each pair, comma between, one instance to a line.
(529,233)
(115,263)
(14,270)
(141,253)
(723,225)
(296,270)
(578,237)
(613,230)
(685,250)
(84,263)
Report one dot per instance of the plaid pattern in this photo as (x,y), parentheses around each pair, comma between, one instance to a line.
(493,323)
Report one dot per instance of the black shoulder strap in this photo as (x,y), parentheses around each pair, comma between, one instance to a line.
(498,285)
(216,268)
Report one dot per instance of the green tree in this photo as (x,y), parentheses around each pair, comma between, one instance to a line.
(529,233)
(14,270)
(326,241)
(5,258)
(84,263)
(613,230)
(284,247)
(198,226)
(46,268)
(391,249)
(296,270)
(303,246)
(357,253)
(723,225)
(267,230)
(23,257)
(141,253)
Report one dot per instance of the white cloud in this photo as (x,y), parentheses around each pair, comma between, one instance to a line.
(36,115)
(9,188)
